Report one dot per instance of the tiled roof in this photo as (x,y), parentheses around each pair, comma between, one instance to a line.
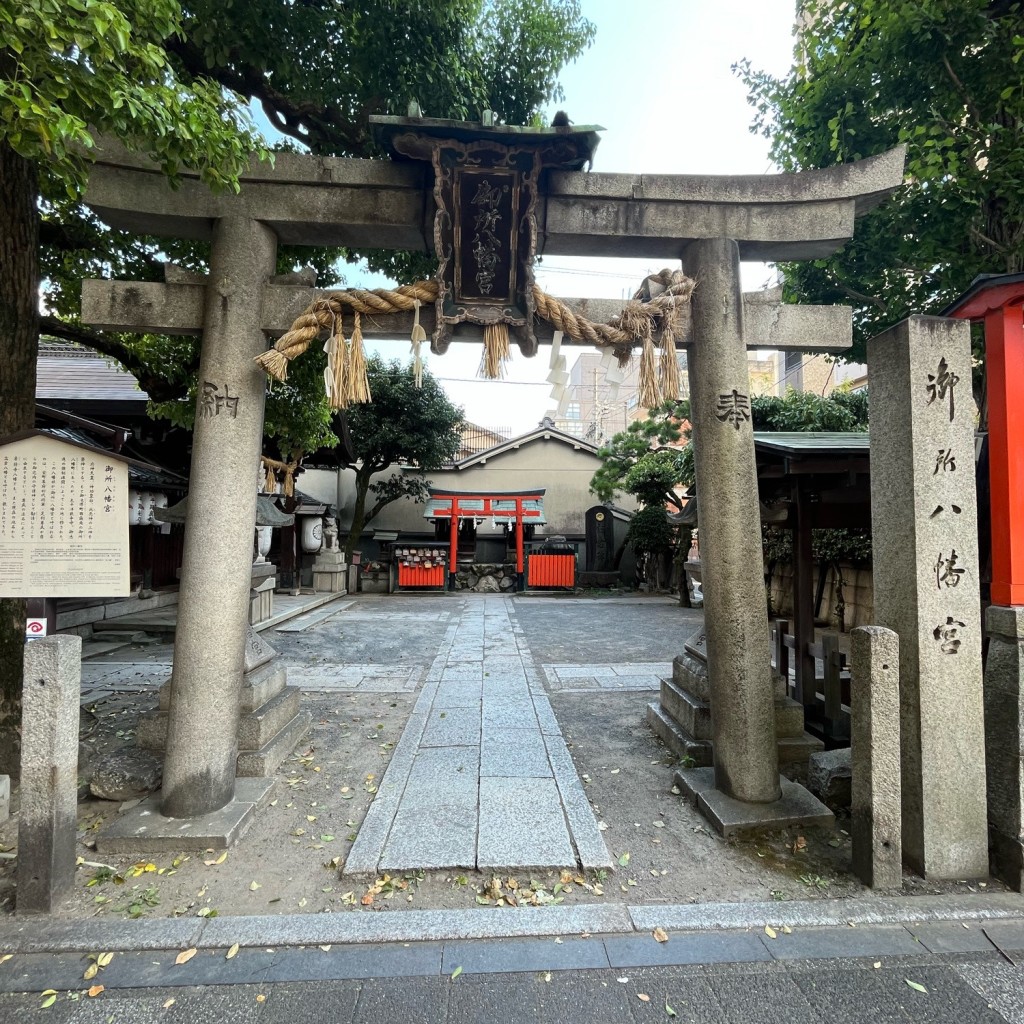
(65,373)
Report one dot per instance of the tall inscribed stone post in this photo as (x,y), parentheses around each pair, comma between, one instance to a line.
(926,585)
(202,728)
(735,612)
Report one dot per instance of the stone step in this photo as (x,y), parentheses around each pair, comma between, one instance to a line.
(255,728)
(798,749)
(258,686)
(691,714)
(691,674)
(789,717)
(258,728)
(94,648)
(675,739)
(694,716)
(792,749)
(264,762)
(151,731)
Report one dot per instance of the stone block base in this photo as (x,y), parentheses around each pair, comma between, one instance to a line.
(679,742)
(731,817)
(793,749)
(330,581)
(1006,858)
(272,723)
(143,829)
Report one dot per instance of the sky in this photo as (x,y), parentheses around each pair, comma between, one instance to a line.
(658,78)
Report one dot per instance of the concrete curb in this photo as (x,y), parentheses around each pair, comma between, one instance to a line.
(54,936)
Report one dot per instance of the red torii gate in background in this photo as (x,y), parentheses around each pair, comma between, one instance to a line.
(997,300)
(517,505)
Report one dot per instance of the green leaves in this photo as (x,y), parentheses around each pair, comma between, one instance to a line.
(861,86)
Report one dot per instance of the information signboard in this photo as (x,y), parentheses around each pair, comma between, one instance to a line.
(63,519)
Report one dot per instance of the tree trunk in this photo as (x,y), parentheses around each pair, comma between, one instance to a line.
(358,514)
(19,340)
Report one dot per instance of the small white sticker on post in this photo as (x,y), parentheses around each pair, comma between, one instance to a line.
(35,628)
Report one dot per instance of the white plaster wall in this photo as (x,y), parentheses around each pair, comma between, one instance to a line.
(321,484)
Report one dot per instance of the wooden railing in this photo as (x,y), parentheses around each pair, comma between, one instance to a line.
(827,703)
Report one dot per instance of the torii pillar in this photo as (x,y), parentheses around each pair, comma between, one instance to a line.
(997,301)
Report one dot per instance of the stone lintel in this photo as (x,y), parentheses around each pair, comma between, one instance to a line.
(178,309)
(796,806)
(143,829)
(377,204)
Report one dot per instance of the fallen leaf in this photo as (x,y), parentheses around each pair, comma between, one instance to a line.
(169,1003)
(219,860)
(95,991)
(5,957)
(770,932)
(643,997)
(877,964)
(670,1011)
(261,998)
(602,826)
(232,952)
(622,981)
(916,986)
(91,971)
(254,885)
(660,934)
(185,955)
(786,930)
(658,824)
(104,959)
(456,972)
(48,1000)
(326,948)
(624,860)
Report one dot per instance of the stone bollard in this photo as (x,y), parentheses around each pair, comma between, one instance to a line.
(876,805)
(48,818)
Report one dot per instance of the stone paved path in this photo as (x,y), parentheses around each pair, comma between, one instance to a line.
(481,777)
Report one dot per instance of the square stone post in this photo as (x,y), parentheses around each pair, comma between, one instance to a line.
(875,815)
(926,585)
(49,773)
(735,610)
(202,729)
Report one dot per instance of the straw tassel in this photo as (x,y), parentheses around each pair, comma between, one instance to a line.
(334,375)
(649,396)
(496,351)
(357,381)
(669,368)
(419,335)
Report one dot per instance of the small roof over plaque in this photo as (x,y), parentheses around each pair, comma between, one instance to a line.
(488,183)
(581,140)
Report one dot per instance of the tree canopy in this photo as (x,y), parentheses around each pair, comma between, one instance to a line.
(402,426)
(945,78)
(175,81)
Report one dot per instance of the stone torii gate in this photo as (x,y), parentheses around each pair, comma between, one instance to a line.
(710,223)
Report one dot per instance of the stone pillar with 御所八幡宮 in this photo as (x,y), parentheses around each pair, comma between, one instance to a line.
(926,585)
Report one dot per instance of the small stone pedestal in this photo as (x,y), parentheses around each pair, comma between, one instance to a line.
(682,716)
(261,594)
(330,573)
(1004,743)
